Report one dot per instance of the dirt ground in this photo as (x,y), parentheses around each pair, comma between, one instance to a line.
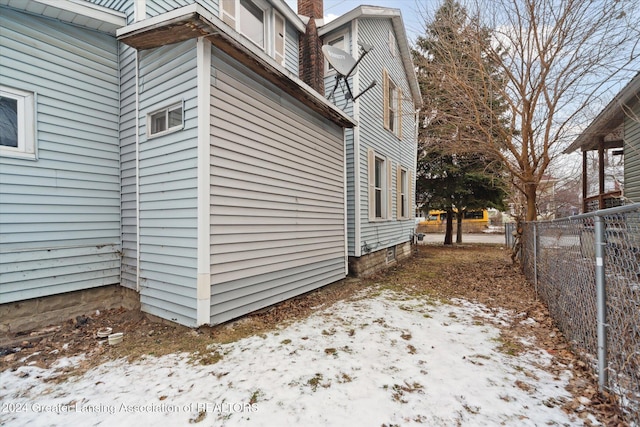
(477,273)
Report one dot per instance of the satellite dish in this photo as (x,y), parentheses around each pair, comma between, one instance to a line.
(339,59)
(345,64)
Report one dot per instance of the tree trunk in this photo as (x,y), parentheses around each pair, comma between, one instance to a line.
(530,194)
(448,235)
(459,216)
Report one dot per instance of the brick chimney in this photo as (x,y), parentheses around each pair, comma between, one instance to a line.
(310,52)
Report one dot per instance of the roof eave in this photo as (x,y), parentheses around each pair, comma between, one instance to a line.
(609,118)
(194,21)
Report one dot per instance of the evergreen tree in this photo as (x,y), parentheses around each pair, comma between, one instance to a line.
(453,174)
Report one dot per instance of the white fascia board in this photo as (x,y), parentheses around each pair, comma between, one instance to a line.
(109,19)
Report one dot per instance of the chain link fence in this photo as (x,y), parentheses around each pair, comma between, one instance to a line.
(586,269)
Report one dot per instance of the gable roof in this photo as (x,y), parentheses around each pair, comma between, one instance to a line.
(401,36)
(609,119)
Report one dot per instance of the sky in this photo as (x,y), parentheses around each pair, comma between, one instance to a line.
(382,359)
(412,11)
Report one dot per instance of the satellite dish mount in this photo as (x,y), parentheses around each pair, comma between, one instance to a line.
(345,65)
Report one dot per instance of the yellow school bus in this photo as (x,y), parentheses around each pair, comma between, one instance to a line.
(472,221)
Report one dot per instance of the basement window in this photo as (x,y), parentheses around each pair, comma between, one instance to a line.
(167,120)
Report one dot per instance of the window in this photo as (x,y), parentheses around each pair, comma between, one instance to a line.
(259,22)
(392,105)
(379,170)
(165,121)
(338,42)
(402,194)
(17,123)
(252,22)
(247,17)
(379,186)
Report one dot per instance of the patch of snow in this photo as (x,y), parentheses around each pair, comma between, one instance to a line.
(368,362)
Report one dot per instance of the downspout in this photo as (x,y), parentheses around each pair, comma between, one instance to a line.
(140,13)
(137,118)
(357,200)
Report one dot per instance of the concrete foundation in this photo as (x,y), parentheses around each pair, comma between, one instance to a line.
(37,313)
(373,262)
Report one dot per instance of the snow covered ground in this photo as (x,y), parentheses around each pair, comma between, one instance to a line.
(382,360)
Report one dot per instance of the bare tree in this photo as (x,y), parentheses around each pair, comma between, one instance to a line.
(550,62)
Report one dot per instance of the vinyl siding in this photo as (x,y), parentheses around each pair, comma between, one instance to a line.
(59,214)
(291,47)
(168,186)
(385,233)
(277,204)
(632,155)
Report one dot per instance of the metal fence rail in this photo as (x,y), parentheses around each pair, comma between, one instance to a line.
(586,269)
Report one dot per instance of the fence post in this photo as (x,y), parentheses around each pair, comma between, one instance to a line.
(601,301)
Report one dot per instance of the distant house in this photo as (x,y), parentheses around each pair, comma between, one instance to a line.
(381,150)
(617,128)
(167,146)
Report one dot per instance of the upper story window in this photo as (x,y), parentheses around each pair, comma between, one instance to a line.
(167,120)
(392,105)
(17,123)
(257,21)
(340,43)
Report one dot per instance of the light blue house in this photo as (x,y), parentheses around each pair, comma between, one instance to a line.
(165,153)
(381,150)
(172,150)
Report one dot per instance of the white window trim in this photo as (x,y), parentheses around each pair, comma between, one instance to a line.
(388,101)
(268,23)
(277,16)
(399,192)
(26,111)
(329,71)
(168,130)
(386,194)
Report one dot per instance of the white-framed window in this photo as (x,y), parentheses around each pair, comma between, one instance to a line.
(392,114)
(260,23)
(17,123)
(339,41)
(379,170)
(166,120)
(402,193)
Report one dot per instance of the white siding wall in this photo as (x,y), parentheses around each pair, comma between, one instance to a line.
(277,204)
(381,234)
(632,155)
(168,186)
(59,214)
